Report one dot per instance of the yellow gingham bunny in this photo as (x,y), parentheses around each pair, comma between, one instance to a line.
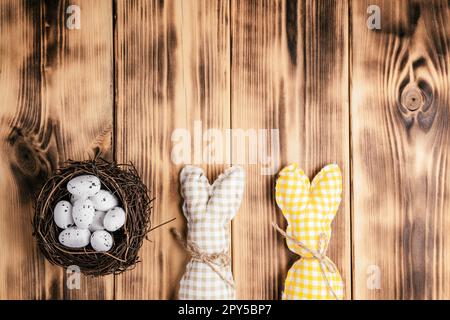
(309,209)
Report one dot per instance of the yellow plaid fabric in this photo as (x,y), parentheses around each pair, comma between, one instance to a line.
(309,209)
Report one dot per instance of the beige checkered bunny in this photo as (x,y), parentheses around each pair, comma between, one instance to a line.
(209,210)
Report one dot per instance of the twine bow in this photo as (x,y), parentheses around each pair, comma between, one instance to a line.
(215,261)
(319,255)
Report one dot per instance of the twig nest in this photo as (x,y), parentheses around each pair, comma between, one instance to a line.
(93,214)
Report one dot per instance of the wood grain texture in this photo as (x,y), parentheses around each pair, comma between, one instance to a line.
(27,151)
(77,89)
(172,69)
(400,138)
(139,74)
(58,88)
(289,72)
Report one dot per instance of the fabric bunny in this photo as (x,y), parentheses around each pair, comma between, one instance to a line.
(309,209)
(209,210)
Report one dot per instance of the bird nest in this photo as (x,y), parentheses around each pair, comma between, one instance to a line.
(120,179)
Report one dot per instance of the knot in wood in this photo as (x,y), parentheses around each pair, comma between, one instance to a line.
(26,158)
(412,97)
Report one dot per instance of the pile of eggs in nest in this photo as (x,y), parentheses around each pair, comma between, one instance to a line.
(89,215)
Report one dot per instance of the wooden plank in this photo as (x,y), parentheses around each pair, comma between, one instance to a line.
(289,72)
(57,85)
(79,87)
(400,138)
(27,153)
(172,69)
(77,73)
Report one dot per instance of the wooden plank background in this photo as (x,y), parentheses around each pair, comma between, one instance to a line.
(400,137)
(279,80)
(137,72)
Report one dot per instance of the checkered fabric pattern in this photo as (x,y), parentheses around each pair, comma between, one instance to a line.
(309,209)
(208,210)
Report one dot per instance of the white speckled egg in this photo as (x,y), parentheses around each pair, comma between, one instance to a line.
(74,237)
(83,213)
(97,222)
(84,186)
(63,214)
(74,198)
(114,219)
(104,200)
(101,241)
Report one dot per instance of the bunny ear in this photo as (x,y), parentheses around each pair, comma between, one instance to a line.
(227,191)
(292,191)
(326,190)
(195,191)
